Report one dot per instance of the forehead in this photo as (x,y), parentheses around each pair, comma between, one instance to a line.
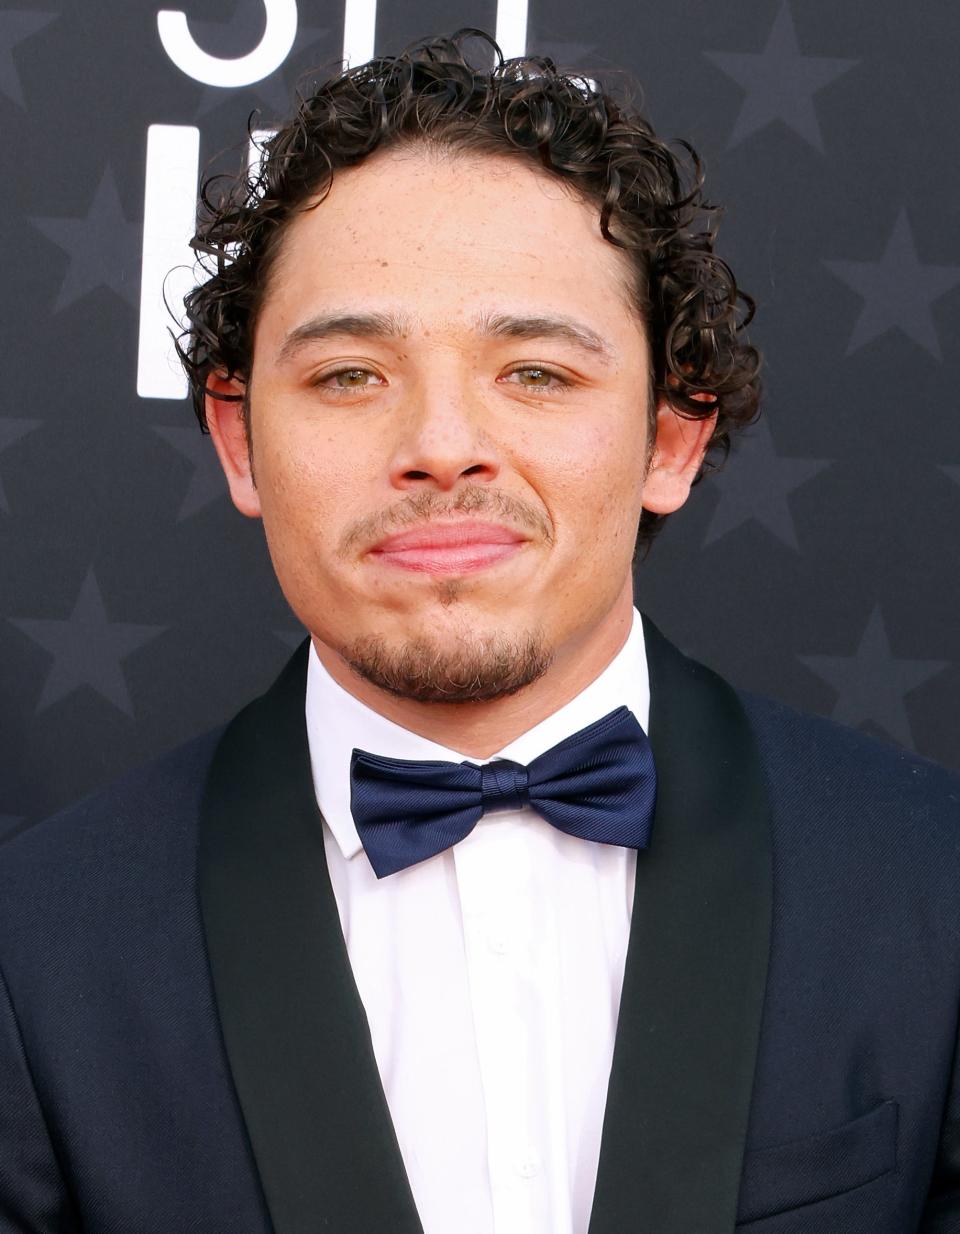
(451,235)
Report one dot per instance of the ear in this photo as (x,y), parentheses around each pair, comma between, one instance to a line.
(227,428)
(678,452)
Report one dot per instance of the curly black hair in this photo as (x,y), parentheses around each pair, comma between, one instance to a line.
(649,200)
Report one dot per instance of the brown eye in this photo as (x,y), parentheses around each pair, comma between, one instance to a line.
(353,379)
(544,376)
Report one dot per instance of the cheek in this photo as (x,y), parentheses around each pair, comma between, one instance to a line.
(307,487)
(599,483)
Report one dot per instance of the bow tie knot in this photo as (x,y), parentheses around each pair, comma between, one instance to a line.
(600,784)
(504,786)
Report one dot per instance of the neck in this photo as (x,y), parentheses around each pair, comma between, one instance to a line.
(479,730)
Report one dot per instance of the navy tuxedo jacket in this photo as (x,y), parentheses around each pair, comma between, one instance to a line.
(183,1049)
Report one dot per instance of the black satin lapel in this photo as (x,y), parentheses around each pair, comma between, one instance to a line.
(294,1026)
(683,1064)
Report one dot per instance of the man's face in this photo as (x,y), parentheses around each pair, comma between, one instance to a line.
(507,457)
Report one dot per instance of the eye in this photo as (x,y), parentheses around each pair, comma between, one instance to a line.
(540,371)
(355,373)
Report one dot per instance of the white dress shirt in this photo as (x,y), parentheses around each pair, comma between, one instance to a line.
(490,973)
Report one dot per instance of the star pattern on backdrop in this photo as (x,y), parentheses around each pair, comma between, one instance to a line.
(271,91)
(780,82)
(756,485)
(103,247)
(16,26)
(785,81)
(87,648)
(11,430)
(207,482)
(897,289)
(290,638)
(871,684)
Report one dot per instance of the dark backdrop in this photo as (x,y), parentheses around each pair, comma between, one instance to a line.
(139,608)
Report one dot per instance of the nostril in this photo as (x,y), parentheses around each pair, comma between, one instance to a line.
(471,471)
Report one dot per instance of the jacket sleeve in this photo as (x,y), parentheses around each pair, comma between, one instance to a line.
(942,1212)
(33,1197)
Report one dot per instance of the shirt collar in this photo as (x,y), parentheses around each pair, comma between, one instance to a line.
(337,723)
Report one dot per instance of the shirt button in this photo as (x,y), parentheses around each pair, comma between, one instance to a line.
(529,1166)
(497,944)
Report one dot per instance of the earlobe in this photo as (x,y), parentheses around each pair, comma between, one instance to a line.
(678,452)
(225,420)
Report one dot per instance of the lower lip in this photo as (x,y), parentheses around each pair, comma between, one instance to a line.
(449,559)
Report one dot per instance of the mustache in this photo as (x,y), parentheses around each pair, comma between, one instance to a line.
(428,506)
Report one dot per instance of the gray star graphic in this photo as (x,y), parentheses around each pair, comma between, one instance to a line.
(104,249)
(871,683)
(242,34)
(16,25)
(207,482)
(291,638)
(756,486)
(87,648)
(11,430)
(897,290)
(780,82)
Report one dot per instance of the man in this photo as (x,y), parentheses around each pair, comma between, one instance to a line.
(433,936)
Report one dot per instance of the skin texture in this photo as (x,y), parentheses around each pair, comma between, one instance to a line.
(444,424)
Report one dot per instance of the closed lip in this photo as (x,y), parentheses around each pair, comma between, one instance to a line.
(461,534)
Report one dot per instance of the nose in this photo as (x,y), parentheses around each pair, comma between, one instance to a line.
(441,440)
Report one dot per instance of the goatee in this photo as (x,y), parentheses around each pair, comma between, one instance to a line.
(477,671)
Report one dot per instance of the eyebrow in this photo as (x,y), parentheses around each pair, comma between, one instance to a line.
(487,325)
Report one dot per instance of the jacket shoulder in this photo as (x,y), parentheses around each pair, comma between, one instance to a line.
(132,818)
(809,758)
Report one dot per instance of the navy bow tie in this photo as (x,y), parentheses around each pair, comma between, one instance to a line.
(600,784)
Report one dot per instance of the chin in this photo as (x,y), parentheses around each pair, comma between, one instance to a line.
(468,661)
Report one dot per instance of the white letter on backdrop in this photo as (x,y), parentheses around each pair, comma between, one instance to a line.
(266,57)
(169,221)
(359,25)
(511,28)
